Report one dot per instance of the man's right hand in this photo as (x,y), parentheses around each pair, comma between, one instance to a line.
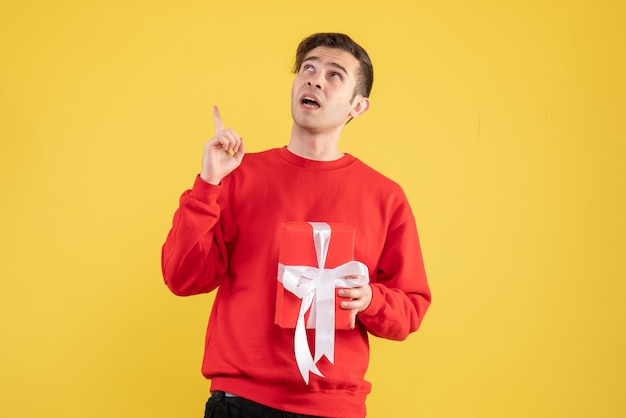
(222,153)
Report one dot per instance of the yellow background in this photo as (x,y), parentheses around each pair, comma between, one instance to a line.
(503,120)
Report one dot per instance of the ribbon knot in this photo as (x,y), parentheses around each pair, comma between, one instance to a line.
(316,287)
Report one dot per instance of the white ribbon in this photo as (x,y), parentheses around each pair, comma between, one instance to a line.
(317,284)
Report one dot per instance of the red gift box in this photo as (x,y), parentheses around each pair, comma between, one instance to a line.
(297,248)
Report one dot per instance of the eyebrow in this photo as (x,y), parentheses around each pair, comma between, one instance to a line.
(332,64)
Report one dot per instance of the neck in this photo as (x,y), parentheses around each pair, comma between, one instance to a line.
(314,146)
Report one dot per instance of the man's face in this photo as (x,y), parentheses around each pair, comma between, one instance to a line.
(322,96)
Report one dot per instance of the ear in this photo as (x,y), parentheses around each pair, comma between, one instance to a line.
(360,105)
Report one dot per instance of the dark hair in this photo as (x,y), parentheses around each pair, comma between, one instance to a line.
(340,41)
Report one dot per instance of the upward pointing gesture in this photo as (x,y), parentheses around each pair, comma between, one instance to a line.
(222,153)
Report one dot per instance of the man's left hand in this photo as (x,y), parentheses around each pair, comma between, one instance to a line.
(361,298)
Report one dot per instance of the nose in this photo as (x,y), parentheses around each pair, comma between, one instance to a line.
(314,82)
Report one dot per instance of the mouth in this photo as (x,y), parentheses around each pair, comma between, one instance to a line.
(309,101)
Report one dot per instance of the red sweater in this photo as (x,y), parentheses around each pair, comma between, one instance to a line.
(226,236)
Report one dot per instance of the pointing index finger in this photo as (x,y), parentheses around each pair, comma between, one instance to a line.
(219,125)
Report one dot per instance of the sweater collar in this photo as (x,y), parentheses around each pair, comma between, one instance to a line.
(314,165)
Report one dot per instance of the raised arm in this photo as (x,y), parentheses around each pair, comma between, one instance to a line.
(194,258)
(222,153)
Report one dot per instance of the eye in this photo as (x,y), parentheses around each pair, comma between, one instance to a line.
(336,75)
(307,67)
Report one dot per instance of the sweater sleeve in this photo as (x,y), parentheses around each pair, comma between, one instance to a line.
(193,257)
(400,292)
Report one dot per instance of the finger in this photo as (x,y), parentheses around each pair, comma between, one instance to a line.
(240,150)
(353,319)
(220,142)
(351,304)
(219,125)
(229,144)
(353,293)
(226,139)
(237,145)
(231,134)
(234,141)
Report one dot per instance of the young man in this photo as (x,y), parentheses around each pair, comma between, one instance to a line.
(226,232)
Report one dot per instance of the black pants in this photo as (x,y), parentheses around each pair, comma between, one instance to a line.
(221,406)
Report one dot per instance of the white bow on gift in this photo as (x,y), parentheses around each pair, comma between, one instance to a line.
(317,284)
